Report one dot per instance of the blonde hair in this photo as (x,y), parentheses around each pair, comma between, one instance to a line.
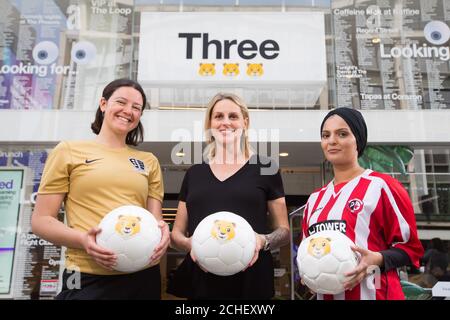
(210,151)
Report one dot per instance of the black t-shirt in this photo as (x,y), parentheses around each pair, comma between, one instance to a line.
(246,194)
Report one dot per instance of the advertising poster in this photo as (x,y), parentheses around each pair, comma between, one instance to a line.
(30,51)
(37,262)
(11,183)
(50,51)
(392,54)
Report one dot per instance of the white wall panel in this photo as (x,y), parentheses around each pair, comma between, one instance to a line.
(400,127)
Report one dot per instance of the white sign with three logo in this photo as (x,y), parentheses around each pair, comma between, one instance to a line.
(242,48)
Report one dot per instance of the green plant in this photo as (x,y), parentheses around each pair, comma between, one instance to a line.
(386,158)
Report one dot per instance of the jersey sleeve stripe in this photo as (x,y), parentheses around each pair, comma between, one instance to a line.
(404,226)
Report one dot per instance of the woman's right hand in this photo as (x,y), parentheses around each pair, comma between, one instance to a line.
(193,257)
(104,257)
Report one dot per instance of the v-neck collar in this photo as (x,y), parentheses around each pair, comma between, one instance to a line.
(231,176)
(346,184)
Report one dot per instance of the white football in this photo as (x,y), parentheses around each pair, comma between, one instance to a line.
(323,258)
(224,243)
(132,233)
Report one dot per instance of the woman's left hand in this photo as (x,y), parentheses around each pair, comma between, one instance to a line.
(367,259)
(161,248)
(260,241)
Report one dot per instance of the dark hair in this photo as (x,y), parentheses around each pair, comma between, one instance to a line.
(135,136)
(355,121)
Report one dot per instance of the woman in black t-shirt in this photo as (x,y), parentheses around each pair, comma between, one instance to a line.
(234,179)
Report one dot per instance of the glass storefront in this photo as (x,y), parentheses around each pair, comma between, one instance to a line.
(388,58)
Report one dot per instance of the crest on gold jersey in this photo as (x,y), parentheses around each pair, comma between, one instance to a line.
(138,164)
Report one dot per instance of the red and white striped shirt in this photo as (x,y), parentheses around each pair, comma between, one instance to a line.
(375,212)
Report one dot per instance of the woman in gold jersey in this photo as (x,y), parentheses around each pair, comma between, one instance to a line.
(92,178)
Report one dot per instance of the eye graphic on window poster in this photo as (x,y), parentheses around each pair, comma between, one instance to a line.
(45,52)
(436,32)
(83,52)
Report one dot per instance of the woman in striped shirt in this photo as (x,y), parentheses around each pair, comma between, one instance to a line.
(372,209)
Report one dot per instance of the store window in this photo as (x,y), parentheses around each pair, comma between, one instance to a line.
(391,54)
(423,171)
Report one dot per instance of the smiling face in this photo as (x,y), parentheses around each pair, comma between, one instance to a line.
(338,142)
(123,110)
(227,122)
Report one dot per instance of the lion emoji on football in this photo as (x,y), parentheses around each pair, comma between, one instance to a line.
(319,247)
(128,226)
(223,230)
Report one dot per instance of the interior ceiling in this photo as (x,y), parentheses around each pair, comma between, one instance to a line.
(300,154)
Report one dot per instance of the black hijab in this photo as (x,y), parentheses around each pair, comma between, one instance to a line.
(355,121)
